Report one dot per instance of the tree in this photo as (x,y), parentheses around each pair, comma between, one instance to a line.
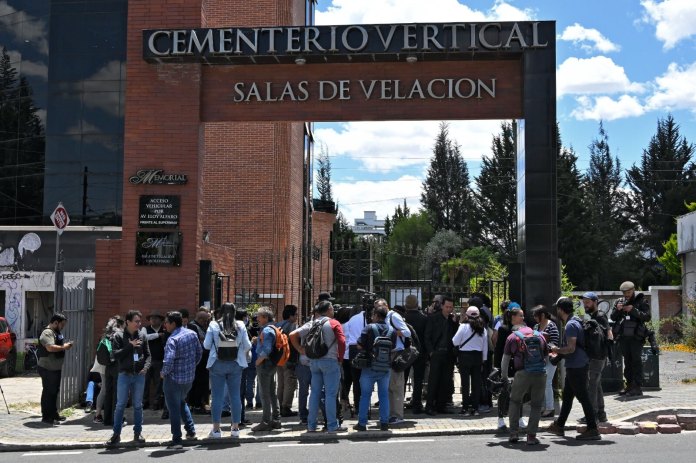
(407,239)
(495,202)
(572,236)
(446,193)
(604,204)
(393,221)
(444,245)
(342,233)
(659,185)
(324,174)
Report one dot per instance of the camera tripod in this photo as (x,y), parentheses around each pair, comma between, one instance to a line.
(3,398)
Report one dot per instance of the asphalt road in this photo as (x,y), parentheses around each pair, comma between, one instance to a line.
(619,449)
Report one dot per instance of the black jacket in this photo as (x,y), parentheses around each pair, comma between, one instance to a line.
(438,334)
(631,324)
(124,352)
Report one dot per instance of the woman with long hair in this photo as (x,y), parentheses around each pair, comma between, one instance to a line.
(513,318)
(228,342)
(548,328)
(471,342)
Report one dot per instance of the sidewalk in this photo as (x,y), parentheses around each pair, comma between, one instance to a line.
(23,430)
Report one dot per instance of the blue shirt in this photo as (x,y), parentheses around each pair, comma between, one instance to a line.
(579,358)
(182,353)
(263,350)
(212,338)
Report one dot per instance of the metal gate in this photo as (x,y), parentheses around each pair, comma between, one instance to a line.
(79,306)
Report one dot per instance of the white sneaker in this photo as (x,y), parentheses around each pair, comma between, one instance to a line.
(213,434)
(234,433)
(501,423)
(522,423)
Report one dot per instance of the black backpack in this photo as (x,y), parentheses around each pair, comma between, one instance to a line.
(227,347)
(381,349)
(315,347)
(595,339)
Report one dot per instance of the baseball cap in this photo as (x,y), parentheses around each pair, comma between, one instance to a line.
(472,311)
(325,296)
(513,305)
(590,295)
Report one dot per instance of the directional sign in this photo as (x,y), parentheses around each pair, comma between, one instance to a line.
(60,218)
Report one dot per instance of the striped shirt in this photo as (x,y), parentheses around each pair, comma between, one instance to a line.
(182,353)
(554,337)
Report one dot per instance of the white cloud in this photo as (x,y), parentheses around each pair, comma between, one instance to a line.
(30,30)
(599,74)
(674,19)
(393,11)
(606,108)
(675,89)
(580,36)
(391,145)
(381,196)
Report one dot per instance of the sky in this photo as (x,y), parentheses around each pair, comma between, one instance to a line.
(626,63)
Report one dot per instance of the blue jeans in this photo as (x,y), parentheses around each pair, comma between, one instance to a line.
(368,378)
(304,379)
(226,376)
(250,382)
(326,374)
(135,386)
(175,398)
(89,397)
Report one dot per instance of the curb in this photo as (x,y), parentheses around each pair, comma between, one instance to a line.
(304,438)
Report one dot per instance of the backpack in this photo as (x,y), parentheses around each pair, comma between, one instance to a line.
(281,348)
(294,355)
(408,356)
(104,352)
(595,339)
(315,347)
(227,347)
(381,349)
(533,352)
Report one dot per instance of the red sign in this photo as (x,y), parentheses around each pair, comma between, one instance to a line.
(60,218)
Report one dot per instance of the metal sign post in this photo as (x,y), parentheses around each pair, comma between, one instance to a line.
(60,220)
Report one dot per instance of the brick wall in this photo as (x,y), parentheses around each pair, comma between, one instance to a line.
(322,225)
(107,284)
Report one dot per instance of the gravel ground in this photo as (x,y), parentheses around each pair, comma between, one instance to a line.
(676,366)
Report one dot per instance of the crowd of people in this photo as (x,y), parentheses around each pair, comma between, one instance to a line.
(223,362)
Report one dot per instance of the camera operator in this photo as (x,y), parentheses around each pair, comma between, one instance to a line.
(630,315)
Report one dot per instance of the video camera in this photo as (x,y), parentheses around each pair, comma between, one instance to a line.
(367,301)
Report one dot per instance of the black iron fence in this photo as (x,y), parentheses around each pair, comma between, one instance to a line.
(392,271)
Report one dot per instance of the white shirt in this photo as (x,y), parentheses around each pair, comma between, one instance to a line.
(352,330)
(478,343)
(397,322)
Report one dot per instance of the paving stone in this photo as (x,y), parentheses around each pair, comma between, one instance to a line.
(667,419)
(628,429)
(606,428)
(669,428)
(686,418)
(688,426)
(647,427)
(581,428)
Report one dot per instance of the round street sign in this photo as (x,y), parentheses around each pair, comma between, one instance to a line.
(60,218)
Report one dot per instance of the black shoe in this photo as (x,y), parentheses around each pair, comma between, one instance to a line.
(418,411)
(360,427)
(602,418)
(582,420)
(276,424)
(49,422)
(444,411)
(589,434)
(175,445)
(246,422)
(63,418)
(554,428)
(165,414)
(286,412)
(190,435)
(625,390)
(114,440)
(635,392)
(138,438)
(384,426)
(430,412)
(303,420)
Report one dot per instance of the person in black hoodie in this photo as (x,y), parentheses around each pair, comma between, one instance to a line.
(133,356)
(153,396)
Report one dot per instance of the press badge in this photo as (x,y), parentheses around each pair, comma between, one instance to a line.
(628,317)
(136,357)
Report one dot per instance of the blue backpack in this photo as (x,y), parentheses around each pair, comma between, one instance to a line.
(533,352)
